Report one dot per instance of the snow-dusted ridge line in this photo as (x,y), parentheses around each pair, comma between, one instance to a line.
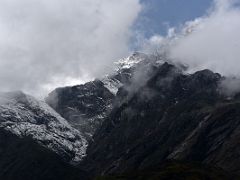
(113,84)
(130,61)
(23,115)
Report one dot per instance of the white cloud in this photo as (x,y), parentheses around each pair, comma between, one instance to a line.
(208,42)
(211,41)
(46,42)
(214,40)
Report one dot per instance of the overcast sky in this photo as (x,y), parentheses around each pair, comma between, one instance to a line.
(50,43)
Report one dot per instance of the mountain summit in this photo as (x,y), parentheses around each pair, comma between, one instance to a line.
(148,119)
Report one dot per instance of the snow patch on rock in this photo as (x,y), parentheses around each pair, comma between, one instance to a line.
(23,115)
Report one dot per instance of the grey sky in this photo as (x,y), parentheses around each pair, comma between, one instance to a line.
(51,43)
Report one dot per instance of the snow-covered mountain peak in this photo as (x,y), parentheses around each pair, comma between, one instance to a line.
(126,68)
(131,60)
(124,71)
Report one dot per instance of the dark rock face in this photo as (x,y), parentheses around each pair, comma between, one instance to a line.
(84,106)
(174,171)
(174,116)
(148,120)
(24,159)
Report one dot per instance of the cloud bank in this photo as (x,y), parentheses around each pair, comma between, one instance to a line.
(48,43)
(212,41)
(208,42)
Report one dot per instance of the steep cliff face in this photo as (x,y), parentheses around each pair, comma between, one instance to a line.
(174,116)
(86,106)
(148,119)
(83,106)
(150,111)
